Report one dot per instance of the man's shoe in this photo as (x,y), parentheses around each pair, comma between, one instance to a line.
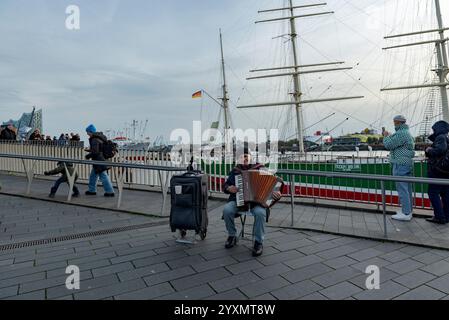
(88,193)
(231,242)
(51,195)
(435,220)
(258,249)
(402,217)
(109,195)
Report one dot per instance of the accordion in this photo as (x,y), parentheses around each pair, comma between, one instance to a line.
(257,187)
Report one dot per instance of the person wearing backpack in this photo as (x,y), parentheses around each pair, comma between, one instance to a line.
(97,140)
(402,151)
(436,162)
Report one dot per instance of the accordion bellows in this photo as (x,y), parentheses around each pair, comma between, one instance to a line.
(257,187)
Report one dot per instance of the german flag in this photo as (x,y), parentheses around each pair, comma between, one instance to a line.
(198,94)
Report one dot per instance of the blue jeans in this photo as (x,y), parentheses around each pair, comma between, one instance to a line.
(439,197)
(231,210)
(60,181)
(104,177)
(404,189)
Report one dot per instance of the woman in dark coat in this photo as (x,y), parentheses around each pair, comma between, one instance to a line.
(438,194)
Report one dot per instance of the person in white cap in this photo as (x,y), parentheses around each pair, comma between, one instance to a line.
(402,151)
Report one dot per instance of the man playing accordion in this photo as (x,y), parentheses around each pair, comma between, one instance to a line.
(231,209)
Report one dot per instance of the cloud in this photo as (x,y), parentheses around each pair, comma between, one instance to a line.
(143,60)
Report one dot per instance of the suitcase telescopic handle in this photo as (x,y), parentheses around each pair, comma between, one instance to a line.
(192,173)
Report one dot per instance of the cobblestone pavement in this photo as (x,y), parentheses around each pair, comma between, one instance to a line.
(343,221)
(147,263)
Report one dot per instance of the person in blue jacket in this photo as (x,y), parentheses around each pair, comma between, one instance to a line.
(438,194)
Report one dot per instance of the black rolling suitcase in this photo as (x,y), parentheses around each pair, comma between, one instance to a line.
(189,195)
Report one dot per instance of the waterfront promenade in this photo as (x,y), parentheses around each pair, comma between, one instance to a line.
(129,256)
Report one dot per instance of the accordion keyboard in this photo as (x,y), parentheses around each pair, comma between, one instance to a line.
(239,196)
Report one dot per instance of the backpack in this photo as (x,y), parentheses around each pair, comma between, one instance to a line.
(109,149)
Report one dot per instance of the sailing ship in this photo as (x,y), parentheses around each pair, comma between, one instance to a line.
(301,160)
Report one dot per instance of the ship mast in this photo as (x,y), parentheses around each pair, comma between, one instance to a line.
(442,69)
(225,98)
(296,70)
(296,82)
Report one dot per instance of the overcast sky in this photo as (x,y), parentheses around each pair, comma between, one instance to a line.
(143,59)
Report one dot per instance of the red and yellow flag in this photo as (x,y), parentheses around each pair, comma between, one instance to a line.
(197,95)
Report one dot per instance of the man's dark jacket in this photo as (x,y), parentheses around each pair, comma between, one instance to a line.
(61,170)
(438,149)
(96,150)
(8,134)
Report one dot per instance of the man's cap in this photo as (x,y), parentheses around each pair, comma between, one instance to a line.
(400,118)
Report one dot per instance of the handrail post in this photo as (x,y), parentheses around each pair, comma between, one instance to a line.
(29,171)
(384,207)
(292,199)
(164,179)
(119,177)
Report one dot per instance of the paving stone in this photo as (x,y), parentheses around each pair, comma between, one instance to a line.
(134,256)
(9,291)
(147,293)
(381,263)
(336,252)
(413,250)
(112,290)
(414,279)
(318,247)
(294,244)
(405,266)
(427,257)
(306,273)
(214,264)
(340,291)
(388,290)
(365,254)
(158,258)
(231,295)
(385,276)
(36,295)
(314,297)
(282,256)
(186,261)
(196,293)
(264,297)
(441,283)
(142,272)
(243,267)
(85,285)
(263,286)
(303,261)
(296,291)
(340,262)
(234,282)
(439,268)
(199,279)
(22,279)
(422,293)
(49,283)
(115,268)
(336,276)
(169,275)
(395,256)
(270,271)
